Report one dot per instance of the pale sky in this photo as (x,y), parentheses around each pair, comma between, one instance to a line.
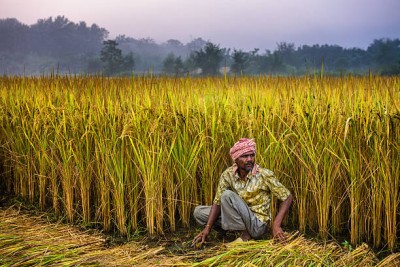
(240,24)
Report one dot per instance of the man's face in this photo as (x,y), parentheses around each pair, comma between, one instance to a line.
(246,161)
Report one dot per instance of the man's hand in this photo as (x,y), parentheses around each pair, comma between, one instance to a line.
(201,237)
(277,231)
(278,234)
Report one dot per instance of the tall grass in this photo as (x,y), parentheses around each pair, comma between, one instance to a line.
(126,153)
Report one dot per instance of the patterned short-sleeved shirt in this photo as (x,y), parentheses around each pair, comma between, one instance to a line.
(256,190)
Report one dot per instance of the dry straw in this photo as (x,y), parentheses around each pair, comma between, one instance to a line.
(296,251)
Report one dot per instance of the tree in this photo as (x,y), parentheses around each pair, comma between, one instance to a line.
(196,44)
(385,53)
(209,59)
(169,64)
(179,66)
(277,65)
(172,43)
(240,61)
(173,65)
(128,62)
(13,36)
(112,58)
(190,65)
(62,38)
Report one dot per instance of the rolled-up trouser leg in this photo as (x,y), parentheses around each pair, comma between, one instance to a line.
(236,215)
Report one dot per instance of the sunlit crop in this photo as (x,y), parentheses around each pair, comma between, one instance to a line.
(141,152)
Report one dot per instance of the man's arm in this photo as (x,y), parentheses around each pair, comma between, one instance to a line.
(283,210)
(214,213)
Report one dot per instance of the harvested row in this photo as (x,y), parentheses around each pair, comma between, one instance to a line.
(31,240)
(27,240)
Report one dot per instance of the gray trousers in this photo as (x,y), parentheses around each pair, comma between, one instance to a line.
(235,216)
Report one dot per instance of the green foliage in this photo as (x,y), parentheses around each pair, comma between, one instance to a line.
(114,61)
(347,246)
(209,59)
(173,65)
(240,63)
(386,55)
(60,44)
(52,43)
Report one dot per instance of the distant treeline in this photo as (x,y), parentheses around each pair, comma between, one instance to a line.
(59,45)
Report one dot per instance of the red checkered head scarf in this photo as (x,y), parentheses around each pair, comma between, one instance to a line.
(243,146)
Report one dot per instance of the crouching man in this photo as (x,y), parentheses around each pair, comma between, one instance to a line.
(242,201)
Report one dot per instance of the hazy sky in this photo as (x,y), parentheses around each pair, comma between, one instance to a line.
(241,24)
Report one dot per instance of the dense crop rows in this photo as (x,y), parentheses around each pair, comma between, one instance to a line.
(125,153)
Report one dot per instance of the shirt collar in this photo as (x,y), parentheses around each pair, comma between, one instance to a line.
(254,171)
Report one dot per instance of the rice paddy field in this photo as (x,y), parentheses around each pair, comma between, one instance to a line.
(135,155)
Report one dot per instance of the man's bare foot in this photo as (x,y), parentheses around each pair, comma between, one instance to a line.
(245,236)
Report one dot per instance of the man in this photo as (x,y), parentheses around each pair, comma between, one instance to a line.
(242,201)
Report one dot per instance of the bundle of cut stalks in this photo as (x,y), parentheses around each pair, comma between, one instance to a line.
(297,251)
(27,240)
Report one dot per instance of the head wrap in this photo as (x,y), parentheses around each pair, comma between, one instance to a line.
(243,146)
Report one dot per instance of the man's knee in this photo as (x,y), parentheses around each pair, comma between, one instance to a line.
(196,212)
(201,213)
(227,195)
